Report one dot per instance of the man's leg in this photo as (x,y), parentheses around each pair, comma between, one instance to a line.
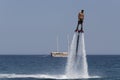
(81,27)
(77,26)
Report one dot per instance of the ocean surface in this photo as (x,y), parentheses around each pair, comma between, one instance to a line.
(45,67)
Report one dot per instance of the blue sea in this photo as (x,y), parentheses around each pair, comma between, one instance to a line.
(45,67)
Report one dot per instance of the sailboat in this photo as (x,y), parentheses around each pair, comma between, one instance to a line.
(59,54)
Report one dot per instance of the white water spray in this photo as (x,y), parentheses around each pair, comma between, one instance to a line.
(77,65)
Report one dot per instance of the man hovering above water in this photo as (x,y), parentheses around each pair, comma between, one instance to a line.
(80,21)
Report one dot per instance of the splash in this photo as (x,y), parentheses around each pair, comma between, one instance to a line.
(38,76)
(77,64)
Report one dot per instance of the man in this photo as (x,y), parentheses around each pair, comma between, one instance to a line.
(80,21)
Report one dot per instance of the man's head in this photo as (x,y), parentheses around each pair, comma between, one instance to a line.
(82,11)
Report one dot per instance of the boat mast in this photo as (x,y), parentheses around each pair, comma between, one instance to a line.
(57,39)
(57,44)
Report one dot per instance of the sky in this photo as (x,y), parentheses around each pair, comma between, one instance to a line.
(32,26)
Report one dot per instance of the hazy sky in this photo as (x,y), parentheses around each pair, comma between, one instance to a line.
(32,26)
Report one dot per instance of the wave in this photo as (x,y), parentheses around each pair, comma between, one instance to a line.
(41,76)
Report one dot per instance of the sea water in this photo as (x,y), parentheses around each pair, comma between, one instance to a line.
(41,67)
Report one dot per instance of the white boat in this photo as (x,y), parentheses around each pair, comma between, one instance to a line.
(60,54)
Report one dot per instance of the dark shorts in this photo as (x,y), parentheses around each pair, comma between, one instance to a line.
(80,21)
